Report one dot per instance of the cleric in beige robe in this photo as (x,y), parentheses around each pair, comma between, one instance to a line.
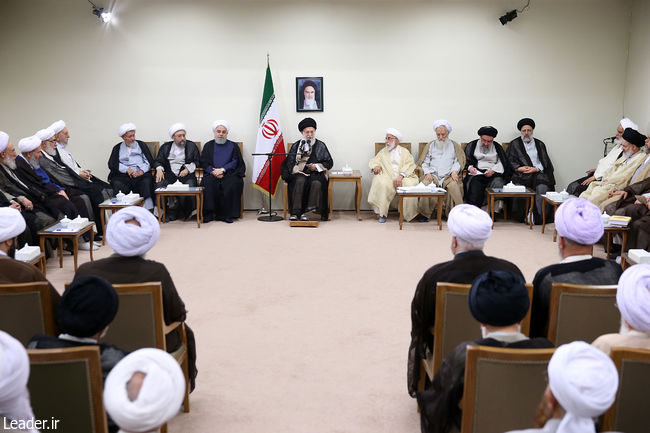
(618,177)
(393,166)
(441,163)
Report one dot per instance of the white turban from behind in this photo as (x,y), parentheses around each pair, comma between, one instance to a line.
(176,127)
(395,133)
(584,381)
(12,223)
(45,134)
(220,122)
(126,127)
(579,220)
(633,296)
(57,126)
(128,239)
(14,373)
(160,396)
(469,223)
(627,123)
(29,144)
(442,122)
(4,140)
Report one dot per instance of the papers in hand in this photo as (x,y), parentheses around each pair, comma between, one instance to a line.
(431,188)
(27,253)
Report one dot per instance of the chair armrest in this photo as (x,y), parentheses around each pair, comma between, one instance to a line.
(172,326)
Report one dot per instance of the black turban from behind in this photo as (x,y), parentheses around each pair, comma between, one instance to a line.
(498,298)
(306,123)
(488,130)
(633,136)
(526,121)
(87,306)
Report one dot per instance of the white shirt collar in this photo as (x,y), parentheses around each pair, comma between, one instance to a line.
(77,339)
(577,258)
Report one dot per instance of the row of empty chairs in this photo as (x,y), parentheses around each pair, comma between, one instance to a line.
(76,372)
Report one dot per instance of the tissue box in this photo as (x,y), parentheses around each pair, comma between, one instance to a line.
(639,256)
(27,253)
(514,188)
(175,187)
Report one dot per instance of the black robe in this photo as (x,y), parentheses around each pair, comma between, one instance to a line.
(118,269)
(222,197)
(593,271)
(518,157)
(464,268)
(439,410)
(95,180)
(125,183)
(474,186)
(8,184)
(187,204)
(319,155)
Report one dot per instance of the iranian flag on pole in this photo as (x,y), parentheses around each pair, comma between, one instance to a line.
(269,140)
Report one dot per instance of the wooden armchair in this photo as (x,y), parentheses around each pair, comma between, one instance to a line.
(65,386)
(628,413)
(26,310)
(581,312)
(503,388)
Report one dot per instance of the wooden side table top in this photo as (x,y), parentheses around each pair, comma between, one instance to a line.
(114,204)
(499,192)
(339,175)
(193,190)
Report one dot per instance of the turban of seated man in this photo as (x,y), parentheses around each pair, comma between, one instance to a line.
(14,373)
(470,224)
(584,381)
(579,220)
(87,306)
(490,131)
(144,390)
(498,298)
(633,296)
(12,223)
(132,231)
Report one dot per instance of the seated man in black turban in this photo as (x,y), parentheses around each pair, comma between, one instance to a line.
(486,165)
(531,165)
(499,301)
(87,307)
(304,170)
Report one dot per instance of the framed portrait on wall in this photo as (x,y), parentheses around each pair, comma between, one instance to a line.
(309,93)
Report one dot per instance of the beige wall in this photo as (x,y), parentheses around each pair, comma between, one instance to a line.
(385,64)
(637,89)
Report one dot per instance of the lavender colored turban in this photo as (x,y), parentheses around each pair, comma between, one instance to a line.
(579,220)
(633,296)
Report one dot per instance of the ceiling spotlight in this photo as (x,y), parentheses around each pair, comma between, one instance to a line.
(104,16)
(509,16)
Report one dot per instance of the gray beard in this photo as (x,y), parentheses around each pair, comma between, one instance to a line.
(34,163)
(618,141)
(220,140)
(180,144)
(527,140)
(50,150)
(441,144)
(11,163)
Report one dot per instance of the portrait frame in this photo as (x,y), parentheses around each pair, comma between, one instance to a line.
(301,84)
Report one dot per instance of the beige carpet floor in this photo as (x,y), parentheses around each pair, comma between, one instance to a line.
(306,330)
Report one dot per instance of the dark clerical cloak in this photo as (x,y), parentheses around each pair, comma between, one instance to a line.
(462,269)
(319,155)
(595,271)
(191,156)
(118,269)
(222,197)
(518,157)
(439,410)
(143,185)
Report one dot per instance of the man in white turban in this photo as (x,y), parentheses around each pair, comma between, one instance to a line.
(224,169)
(144,391)
(441,162)
(578,186)
(13,271)
(392,167)
(14,374)
(633,301)
(176,161)
(131,232)
(582,385)
(470,228)
(130,164)
(579,226)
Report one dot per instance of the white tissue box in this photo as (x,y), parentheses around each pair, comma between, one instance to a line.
(639,256)
(514,188)
(175,187)
(27,253)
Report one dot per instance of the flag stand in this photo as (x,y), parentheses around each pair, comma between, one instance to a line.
(270,218)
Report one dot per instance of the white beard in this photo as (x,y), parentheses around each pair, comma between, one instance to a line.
(11,163)
(441,143)
(391,146)
(618,141)
(50,150)
(220,140)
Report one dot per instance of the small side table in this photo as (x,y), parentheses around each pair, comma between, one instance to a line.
(113,205)
(494,193)
(626,261)
(355,176)
(60,233)
(439,195)
(609,231)
(196,191)
(40,262)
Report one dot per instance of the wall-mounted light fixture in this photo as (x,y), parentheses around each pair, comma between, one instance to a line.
(511,15)
(104,16)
